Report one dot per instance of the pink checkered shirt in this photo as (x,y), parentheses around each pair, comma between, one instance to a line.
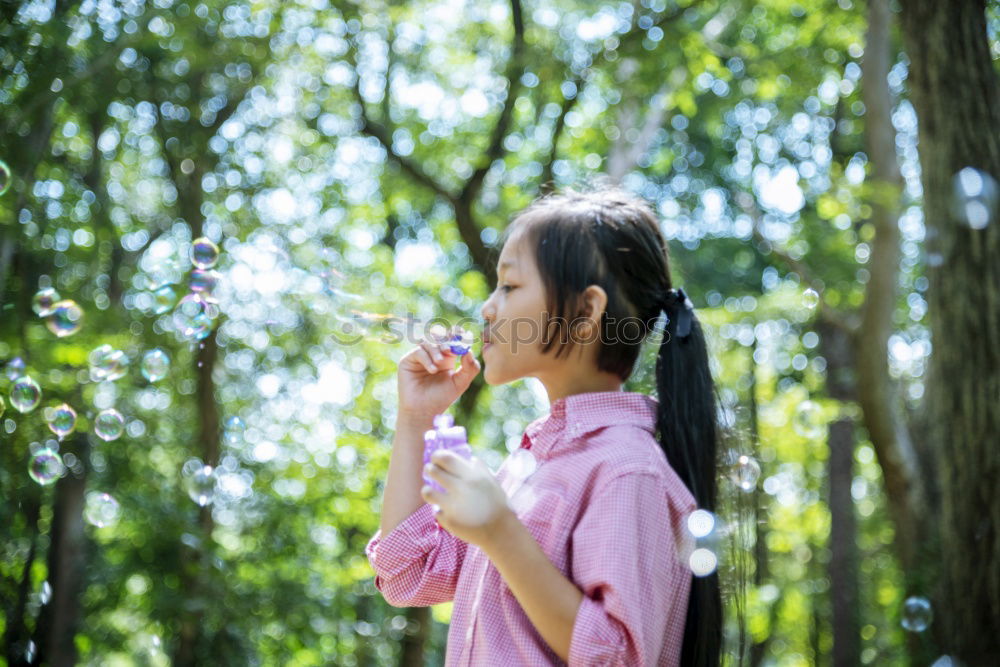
(608,511)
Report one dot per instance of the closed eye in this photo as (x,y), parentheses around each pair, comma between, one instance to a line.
(506,288)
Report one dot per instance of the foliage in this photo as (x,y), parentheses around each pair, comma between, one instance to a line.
(132,128)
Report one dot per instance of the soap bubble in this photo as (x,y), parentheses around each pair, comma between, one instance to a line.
(109,425)
(701,523)
(810,298)
(707,530)
(15,368)
(101,509)
(193,317)
(46,466)
(203,281)
(703,562)
(107,363)
(155,365)
(199,481)
(808,420)
(44,301)
(917,614)
(25,394)
(744,471)
(5,177)
(234,430)
(65,318)
(522,464)
(204,253)
(61,420)
(976,196)
(163,299)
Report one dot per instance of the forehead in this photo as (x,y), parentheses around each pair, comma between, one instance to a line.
(512,256)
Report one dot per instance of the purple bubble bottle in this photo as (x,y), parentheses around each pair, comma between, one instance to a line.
(460,342)
(444,435)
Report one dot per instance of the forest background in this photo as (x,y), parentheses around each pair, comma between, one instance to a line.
(826,173)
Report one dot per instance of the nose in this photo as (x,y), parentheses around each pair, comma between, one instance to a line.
(488,309)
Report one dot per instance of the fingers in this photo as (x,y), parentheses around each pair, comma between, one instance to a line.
(431,495)
(439,474)
(422,355)
(449,462)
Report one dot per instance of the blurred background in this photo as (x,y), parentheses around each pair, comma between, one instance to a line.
(218,220)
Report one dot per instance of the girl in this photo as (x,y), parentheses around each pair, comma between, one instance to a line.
(585,563)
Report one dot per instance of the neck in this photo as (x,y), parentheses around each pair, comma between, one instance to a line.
(561,387)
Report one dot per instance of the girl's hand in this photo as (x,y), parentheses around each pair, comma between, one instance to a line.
(428,381)
(474,504)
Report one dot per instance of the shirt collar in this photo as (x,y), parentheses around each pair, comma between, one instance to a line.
(578,414)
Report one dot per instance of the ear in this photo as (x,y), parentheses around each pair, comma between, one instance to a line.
(595,302)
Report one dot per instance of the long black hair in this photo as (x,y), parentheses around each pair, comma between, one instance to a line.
(608,237)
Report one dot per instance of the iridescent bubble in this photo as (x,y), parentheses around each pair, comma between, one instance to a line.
(199,481)
(15,368)
(101,509)
(808,420)
(155,365)
(109,425)
(234,430)
(5,177)
(193,317)
(163,299)
(917,614)
(810,298)
(204,253)
(65,318)
(203,281)
(44,301)
(107,363)
(46,466)
(61,420)
(976,196)
(25,394)
(744,471)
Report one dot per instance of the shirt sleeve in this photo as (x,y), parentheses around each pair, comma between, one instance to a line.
(625,551)
(418,562)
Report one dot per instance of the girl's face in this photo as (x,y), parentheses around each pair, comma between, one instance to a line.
(514,317)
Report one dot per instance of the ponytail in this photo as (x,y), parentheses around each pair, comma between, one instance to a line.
(686,420)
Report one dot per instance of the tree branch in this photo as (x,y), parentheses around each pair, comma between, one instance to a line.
(515,70)
(546,182)
(834,316)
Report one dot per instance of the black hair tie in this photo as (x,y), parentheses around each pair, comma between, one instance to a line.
(676,299)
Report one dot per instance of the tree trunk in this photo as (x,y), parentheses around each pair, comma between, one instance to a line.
(843,547)
(883,413)
(957,98)
(58,622)
(413,643)
(838,349)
